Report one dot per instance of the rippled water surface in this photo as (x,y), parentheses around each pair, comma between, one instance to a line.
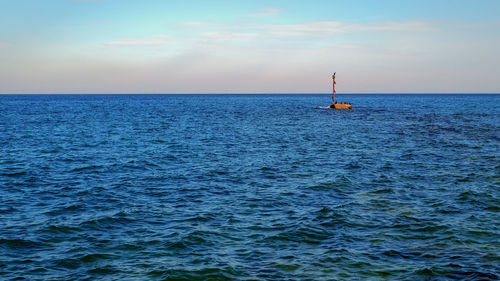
(251,187)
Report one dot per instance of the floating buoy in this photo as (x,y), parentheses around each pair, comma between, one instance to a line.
(335,105)
(340,106)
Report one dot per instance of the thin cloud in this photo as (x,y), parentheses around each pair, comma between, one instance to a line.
(307,29)
(207,32)
(330,28)
(265,13)
(213,32)
(142,42)
(198,24)
(228,36)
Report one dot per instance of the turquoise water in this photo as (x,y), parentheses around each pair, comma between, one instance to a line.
(249,187)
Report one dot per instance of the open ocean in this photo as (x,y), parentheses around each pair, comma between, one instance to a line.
(249,187)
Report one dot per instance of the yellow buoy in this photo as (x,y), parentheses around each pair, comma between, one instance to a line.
(340,106)
(337,105)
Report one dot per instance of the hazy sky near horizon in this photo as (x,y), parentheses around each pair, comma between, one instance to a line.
(273,46)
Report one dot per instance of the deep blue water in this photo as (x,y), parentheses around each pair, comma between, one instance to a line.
(249,187)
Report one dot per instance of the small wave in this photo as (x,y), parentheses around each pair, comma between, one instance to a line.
(140,165)
(465,179)
(473,275)
(342,183)
(137,245)
(106,221)
(458,274)
(428,228)
(403,255)
(15,174)
(69,263)
(86,168)
(218,172)
(108,269)
(425,272)
(7,210)
(327,217)
(89,258)
(208,273)
(38,270)
(65,210)
(286,266)
(267,169)
(179,245)
(481,234)
(203,237)
(196,238)
(51,150)
(383,190)
(308,235)
(492,257)
(61,229)
(353,166)
(494,208)
(19,243)
(201,218)
(480,198)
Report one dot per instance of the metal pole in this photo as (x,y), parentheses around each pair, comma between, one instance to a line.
(333,95)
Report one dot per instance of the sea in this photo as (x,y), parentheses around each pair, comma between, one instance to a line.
(250,187)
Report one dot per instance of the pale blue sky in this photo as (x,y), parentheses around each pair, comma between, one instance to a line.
(141,46)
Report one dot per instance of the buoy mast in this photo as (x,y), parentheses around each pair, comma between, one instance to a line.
(333,95)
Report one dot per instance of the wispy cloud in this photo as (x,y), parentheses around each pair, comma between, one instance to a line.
(218,36)
(330,28)
(246,34)
(265,12)
(213,32)
(142,42)
(5,45)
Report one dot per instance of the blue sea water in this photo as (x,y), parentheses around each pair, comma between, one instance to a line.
(249,187)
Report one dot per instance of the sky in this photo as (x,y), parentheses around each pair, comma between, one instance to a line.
(236,46)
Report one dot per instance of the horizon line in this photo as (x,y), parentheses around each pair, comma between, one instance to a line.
(264,93)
